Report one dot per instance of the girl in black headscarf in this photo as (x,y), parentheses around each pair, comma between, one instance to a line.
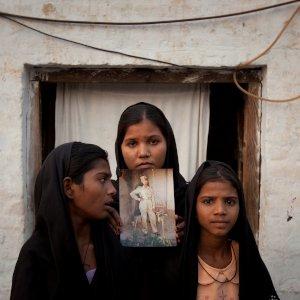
(72,253)
(145,140)
(220,257)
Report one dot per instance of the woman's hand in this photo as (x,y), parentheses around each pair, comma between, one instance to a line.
(114,219)
(180,225)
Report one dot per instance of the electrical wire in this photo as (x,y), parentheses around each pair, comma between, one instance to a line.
(287,23)
(262,98)
(238,67)
(94,47)
(5,14)
(250,61)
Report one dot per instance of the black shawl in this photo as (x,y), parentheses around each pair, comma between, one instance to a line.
(49,265)
(255,281)
(156,270)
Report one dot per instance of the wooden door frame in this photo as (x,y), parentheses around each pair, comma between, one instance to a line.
(250,148)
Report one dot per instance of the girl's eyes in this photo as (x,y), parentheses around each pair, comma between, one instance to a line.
(227,201)
(230,201)
(153,141)
(104,179)
(131,143)
(207,201)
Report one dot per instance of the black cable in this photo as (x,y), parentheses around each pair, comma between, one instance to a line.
(4,14)
(93,47)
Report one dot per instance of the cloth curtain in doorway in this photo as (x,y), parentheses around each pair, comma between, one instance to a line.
(89,112)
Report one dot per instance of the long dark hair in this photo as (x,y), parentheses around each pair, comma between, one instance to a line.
(137,113)
(83,158)
(222,172)
(78,158)
(250,263)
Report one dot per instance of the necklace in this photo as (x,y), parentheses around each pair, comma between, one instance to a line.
(227,280)
(85,255)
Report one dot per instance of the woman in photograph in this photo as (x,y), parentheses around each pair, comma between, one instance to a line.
(220,257)
(72,253)
(145,196)
(145,140)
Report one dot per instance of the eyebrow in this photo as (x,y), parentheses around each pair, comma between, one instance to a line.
(104,173)
(148,137)
(230,196)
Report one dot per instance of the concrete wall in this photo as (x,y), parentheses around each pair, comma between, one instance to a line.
(214,43)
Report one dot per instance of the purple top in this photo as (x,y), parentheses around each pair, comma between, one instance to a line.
(90,274)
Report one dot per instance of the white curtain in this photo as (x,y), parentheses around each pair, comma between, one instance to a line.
(90,113)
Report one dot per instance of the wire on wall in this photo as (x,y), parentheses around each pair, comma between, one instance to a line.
(94,47)
(250,61)
(5,14)
(238,67)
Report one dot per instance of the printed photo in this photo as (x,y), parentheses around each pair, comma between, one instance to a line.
(147,208)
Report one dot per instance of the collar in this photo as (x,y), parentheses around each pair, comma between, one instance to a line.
(222,275)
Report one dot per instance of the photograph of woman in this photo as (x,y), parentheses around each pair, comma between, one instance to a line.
(147,208)
(145,196)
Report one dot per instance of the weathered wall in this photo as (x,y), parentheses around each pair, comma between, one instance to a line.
(214,43)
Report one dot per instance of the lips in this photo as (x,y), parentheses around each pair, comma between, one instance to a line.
(109,202)
(219,222)
(145,165)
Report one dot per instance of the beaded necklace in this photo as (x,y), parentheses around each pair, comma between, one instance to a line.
(227,280)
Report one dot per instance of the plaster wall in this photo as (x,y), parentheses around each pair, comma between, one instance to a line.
(213,43)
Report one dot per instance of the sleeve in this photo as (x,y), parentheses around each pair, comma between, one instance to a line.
(135,194)
(27,281)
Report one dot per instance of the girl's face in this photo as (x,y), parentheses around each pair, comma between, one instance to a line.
(91,198)
(144,146)
(217,207)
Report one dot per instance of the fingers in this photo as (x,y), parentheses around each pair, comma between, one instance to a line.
(114,219)
(179,236)
(113,212)
(180,225)
(114,229)
(178,219)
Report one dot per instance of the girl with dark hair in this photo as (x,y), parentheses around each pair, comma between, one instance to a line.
(145,140)
(220,258)
(72,253)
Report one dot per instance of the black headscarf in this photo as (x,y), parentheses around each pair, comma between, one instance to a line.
(49,265)
(255,281)
(156,270)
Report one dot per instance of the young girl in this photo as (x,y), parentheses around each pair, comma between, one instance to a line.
(145,139)
(220,257)
(72,253)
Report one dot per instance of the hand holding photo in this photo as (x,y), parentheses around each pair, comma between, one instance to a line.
(147,208)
